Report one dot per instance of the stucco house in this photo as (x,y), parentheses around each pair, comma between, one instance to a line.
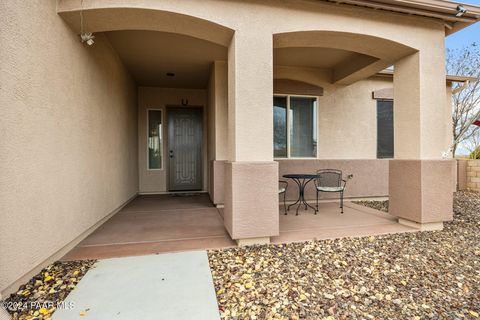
(216,96)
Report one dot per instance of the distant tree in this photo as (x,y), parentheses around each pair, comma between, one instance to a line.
(466,102)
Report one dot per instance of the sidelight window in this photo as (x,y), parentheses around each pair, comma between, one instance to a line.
(154,142)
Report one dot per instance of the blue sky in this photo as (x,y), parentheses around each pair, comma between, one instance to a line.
(466,36)
(461,39)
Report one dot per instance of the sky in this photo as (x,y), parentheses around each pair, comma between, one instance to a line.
(466,36)
(461,39)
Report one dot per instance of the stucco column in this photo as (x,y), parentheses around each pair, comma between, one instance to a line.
(420,181)
(251,175)
(217,129)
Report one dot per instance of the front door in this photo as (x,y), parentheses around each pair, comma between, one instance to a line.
(185,148)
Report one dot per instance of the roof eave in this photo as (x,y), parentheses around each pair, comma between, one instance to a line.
(449,78)
(439,9)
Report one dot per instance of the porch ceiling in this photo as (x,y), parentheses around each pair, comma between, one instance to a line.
(150,55)
(346,66)
(312,57)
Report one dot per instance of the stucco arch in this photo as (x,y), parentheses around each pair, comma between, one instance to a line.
(373,53)
(102,19)
(380,48)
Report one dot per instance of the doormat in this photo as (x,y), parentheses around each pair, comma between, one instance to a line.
(187,194)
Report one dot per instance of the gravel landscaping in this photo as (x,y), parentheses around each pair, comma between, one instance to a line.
(377,205)
(44,293)
(421,275)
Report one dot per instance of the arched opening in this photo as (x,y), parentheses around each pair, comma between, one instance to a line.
(104,19)
(178,66)
(347,57)
(334,125)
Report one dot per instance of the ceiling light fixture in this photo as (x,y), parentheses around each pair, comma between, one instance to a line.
(85,36)
(460,10)
(88,38)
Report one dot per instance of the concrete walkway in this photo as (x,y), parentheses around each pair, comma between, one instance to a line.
(165,286)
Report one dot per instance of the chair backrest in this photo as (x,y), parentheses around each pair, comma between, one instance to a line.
(329,178)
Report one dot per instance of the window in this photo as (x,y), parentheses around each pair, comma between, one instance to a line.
(294,127)
(385,129)
(155,144)
(280,127)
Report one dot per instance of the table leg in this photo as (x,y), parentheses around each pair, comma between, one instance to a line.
(301,183)
(302,196)
(298,200)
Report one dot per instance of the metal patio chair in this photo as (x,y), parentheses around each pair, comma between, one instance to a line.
(282,189)
(330,180)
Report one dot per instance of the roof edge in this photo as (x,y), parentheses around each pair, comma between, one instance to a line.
(449,78)
(439,9)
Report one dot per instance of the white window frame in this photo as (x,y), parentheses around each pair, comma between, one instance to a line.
(161,135)
(289,126)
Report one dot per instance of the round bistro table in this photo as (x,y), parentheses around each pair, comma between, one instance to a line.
(301,180)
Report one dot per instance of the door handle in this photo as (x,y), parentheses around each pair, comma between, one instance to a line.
(170,153)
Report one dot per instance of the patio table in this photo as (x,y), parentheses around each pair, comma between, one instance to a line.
(301,180)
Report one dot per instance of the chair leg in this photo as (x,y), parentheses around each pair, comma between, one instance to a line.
(341,201)
(285,202)
(317,200)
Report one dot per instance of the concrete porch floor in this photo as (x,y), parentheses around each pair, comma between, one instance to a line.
(329,223)
(171,223)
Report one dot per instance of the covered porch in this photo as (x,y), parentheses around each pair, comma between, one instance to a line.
(179,222)
(229,111)
(91,125)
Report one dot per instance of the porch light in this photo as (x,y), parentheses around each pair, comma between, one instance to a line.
(85,36)
(460,10)
(88,38)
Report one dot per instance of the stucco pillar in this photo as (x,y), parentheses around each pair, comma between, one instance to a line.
(420,181)
(251,175)
(217,129)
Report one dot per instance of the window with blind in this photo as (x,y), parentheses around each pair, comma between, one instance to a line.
(385,132)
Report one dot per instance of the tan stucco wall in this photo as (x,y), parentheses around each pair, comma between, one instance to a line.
(420,99)
(448,117)
(56,128)
(221,110)
(69,135)
(250,50)
(153,181)
(252,29)
(347,115)
(421,190)
(370,177)
(245,183)
(461,181)
(217,126)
